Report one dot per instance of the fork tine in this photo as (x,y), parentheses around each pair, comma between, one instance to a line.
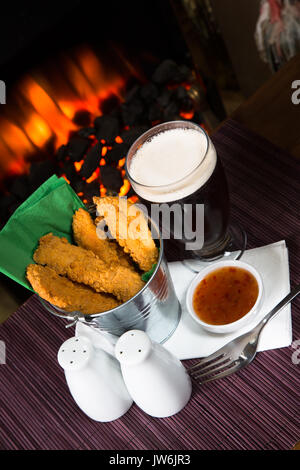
(202,368)
(207,360)
(215,375)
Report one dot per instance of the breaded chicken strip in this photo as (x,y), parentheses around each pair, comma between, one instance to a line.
(65,294)
(85,235)
(128,225)
(84,267)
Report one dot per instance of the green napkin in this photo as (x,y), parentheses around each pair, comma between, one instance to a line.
(49,209)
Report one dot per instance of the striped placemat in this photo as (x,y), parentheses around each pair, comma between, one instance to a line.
(257,408)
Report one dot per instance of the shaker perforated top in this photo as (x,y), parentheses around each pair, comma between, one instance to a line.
(75,353)
(133,347)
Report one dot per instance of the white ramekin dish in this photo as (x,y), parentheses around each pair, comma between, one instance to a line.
(229,327)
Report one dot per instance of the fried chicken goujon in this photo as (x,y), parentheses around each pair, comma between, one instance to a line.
(85,235)
(65,294)
(129,227)
(84,267)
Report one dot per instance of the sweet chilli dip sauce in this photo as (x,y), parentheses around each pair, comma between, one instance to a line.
(225,295)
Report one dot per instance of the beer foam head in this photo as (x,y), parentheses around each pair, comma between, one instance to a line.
(168,165)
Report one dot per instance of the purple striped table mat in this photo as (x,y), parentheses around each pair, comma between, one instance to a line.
(257,408)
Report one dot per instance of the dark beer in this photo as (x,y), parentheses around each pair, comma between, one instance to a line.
(176,164)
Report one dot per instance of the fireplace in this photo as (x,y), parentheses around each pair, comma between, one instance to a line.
(83,88)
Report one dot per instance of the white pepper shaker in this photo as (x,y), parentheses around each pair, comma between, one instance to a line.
(156,380)
(94,379)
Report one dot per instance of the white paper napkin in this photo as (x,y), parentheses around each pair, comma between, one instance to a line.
(190,340)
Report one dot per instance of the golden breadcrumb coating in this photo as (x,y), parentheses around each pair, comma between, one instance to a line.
(65,294)
(83,266)
(85,235)
(128,225)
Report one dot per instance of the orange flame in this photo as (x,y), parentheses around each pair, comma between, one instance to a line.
(102,190)
(121,162)
(94,176)
(78,165)
(187,115)
(125,188)
(47,104)
(49,117)
(133,199)
(64,176)
(46,107)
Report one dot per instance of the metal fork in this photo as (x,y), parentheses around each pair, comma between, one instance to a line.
(239,352)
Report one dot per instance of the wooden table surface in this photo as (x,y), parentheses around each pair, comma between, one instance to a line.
(270,111)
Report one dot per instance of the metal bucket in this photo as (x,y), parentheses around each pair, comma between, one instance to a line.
(155,309)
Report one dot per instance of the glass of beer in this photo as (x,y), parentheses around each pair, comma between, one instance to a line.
(175,165)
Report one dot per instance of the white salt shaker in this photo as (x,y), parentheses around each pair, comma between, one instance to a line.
(156,380)
(94,379)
